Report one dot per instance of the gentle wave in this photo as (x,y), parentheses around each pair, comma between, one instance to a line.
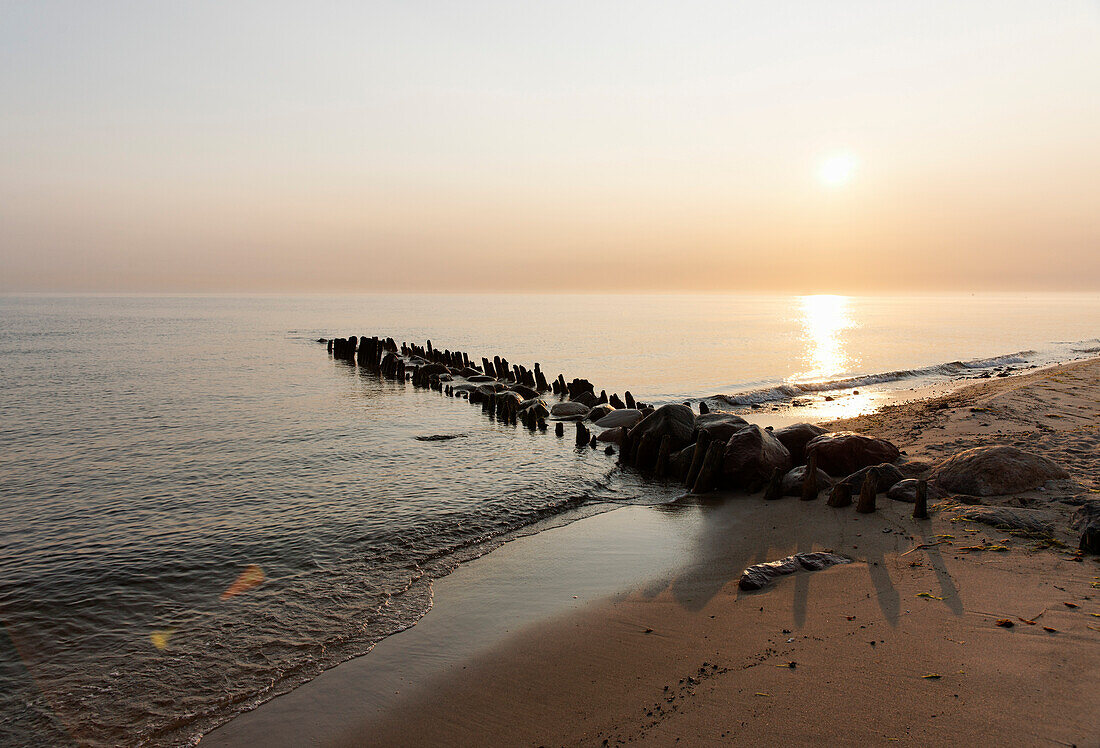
(950,369)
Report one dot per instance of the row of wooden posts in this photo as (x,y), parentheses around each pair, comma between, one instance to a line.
(645,453)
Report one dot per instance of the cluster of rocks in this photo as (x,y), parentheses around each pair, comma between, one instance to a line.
(710,450)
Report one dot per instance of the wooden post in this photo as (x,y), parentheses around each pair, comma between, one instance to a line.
(810,488)
(701,444)
(841,496)
(775,485)
(867,494)
(647,451)
(712,465)
(920,509)
(663,454)
(629,399)
(559,429)
(703,408)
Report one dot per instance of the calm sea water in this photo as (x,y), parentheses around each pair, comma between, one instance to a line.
(154,449)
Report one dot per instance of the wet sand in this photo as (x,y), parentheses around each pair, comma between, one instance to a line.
(680,655)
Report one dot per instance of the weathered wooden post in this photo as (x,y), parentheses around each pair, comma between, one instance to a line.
(810,488)
(867,494)
(701,444)
(559,429)
(663,454)
(703,408)
(774,489)
(920,509)
(841,496)
(712,465)
(629,399)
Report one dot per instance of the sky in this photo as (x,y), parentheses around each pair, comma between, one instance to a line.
(805,147)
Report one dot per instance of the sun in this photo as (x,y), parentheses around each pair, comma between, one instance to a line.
(837,169)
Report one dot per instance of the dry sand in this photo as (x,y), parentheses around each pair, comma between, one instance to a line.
(902,645)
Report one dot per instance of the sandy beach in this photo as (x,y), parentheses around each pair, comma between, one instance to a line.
(907,644)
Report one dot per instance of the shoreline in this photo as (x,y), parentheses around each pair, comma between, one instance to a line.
(464,679)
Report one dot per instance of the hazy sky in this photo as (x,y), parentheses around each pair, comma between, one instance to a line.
(811,146)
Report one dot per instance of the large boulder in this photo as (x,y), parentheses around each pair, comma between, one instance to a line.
(795,438)
(599,411)
(885,475)
(569,410)
(844,452)
(720,424)
(527,392)
(678,421)
(994,471)
(792,481)
(750,457)
(625,417)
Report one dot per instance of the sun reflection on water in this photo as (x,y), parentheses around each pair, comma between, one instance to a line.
(824,318)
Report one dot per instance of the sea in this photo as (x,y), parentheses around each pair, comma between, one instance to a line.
(201,509)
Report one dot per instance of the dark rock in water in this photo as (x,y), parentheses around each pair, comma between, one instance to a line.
(994,471)
(440,437)
(480,378)
(844,452)
(569,410)
(720,424)
(1034,521)
(885,475)
(535,405)
(1087,520)
(759,576)
(795,438)
(675,421)
(609,451)
(906,490)
(578,386)
(586,398)
(791,484)
(625,417)
(527,392)
(599,411)
(750,456)
(615,435)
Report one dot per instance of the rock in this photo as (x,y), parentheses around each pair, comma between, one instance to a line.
(1087,520)
(720,424)
(615,435)
(795,438)
(440,437)
(758,576)
(994,471)
(577,386)
(469,372)
(906,490)
(599,412)
(625,417)
(844,452)
(569,410)
(524,390)
(750,456)
(1034,521)
(585,398)
(677,421)
(792,481)
(535,405)
(480,378)
(886,475)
